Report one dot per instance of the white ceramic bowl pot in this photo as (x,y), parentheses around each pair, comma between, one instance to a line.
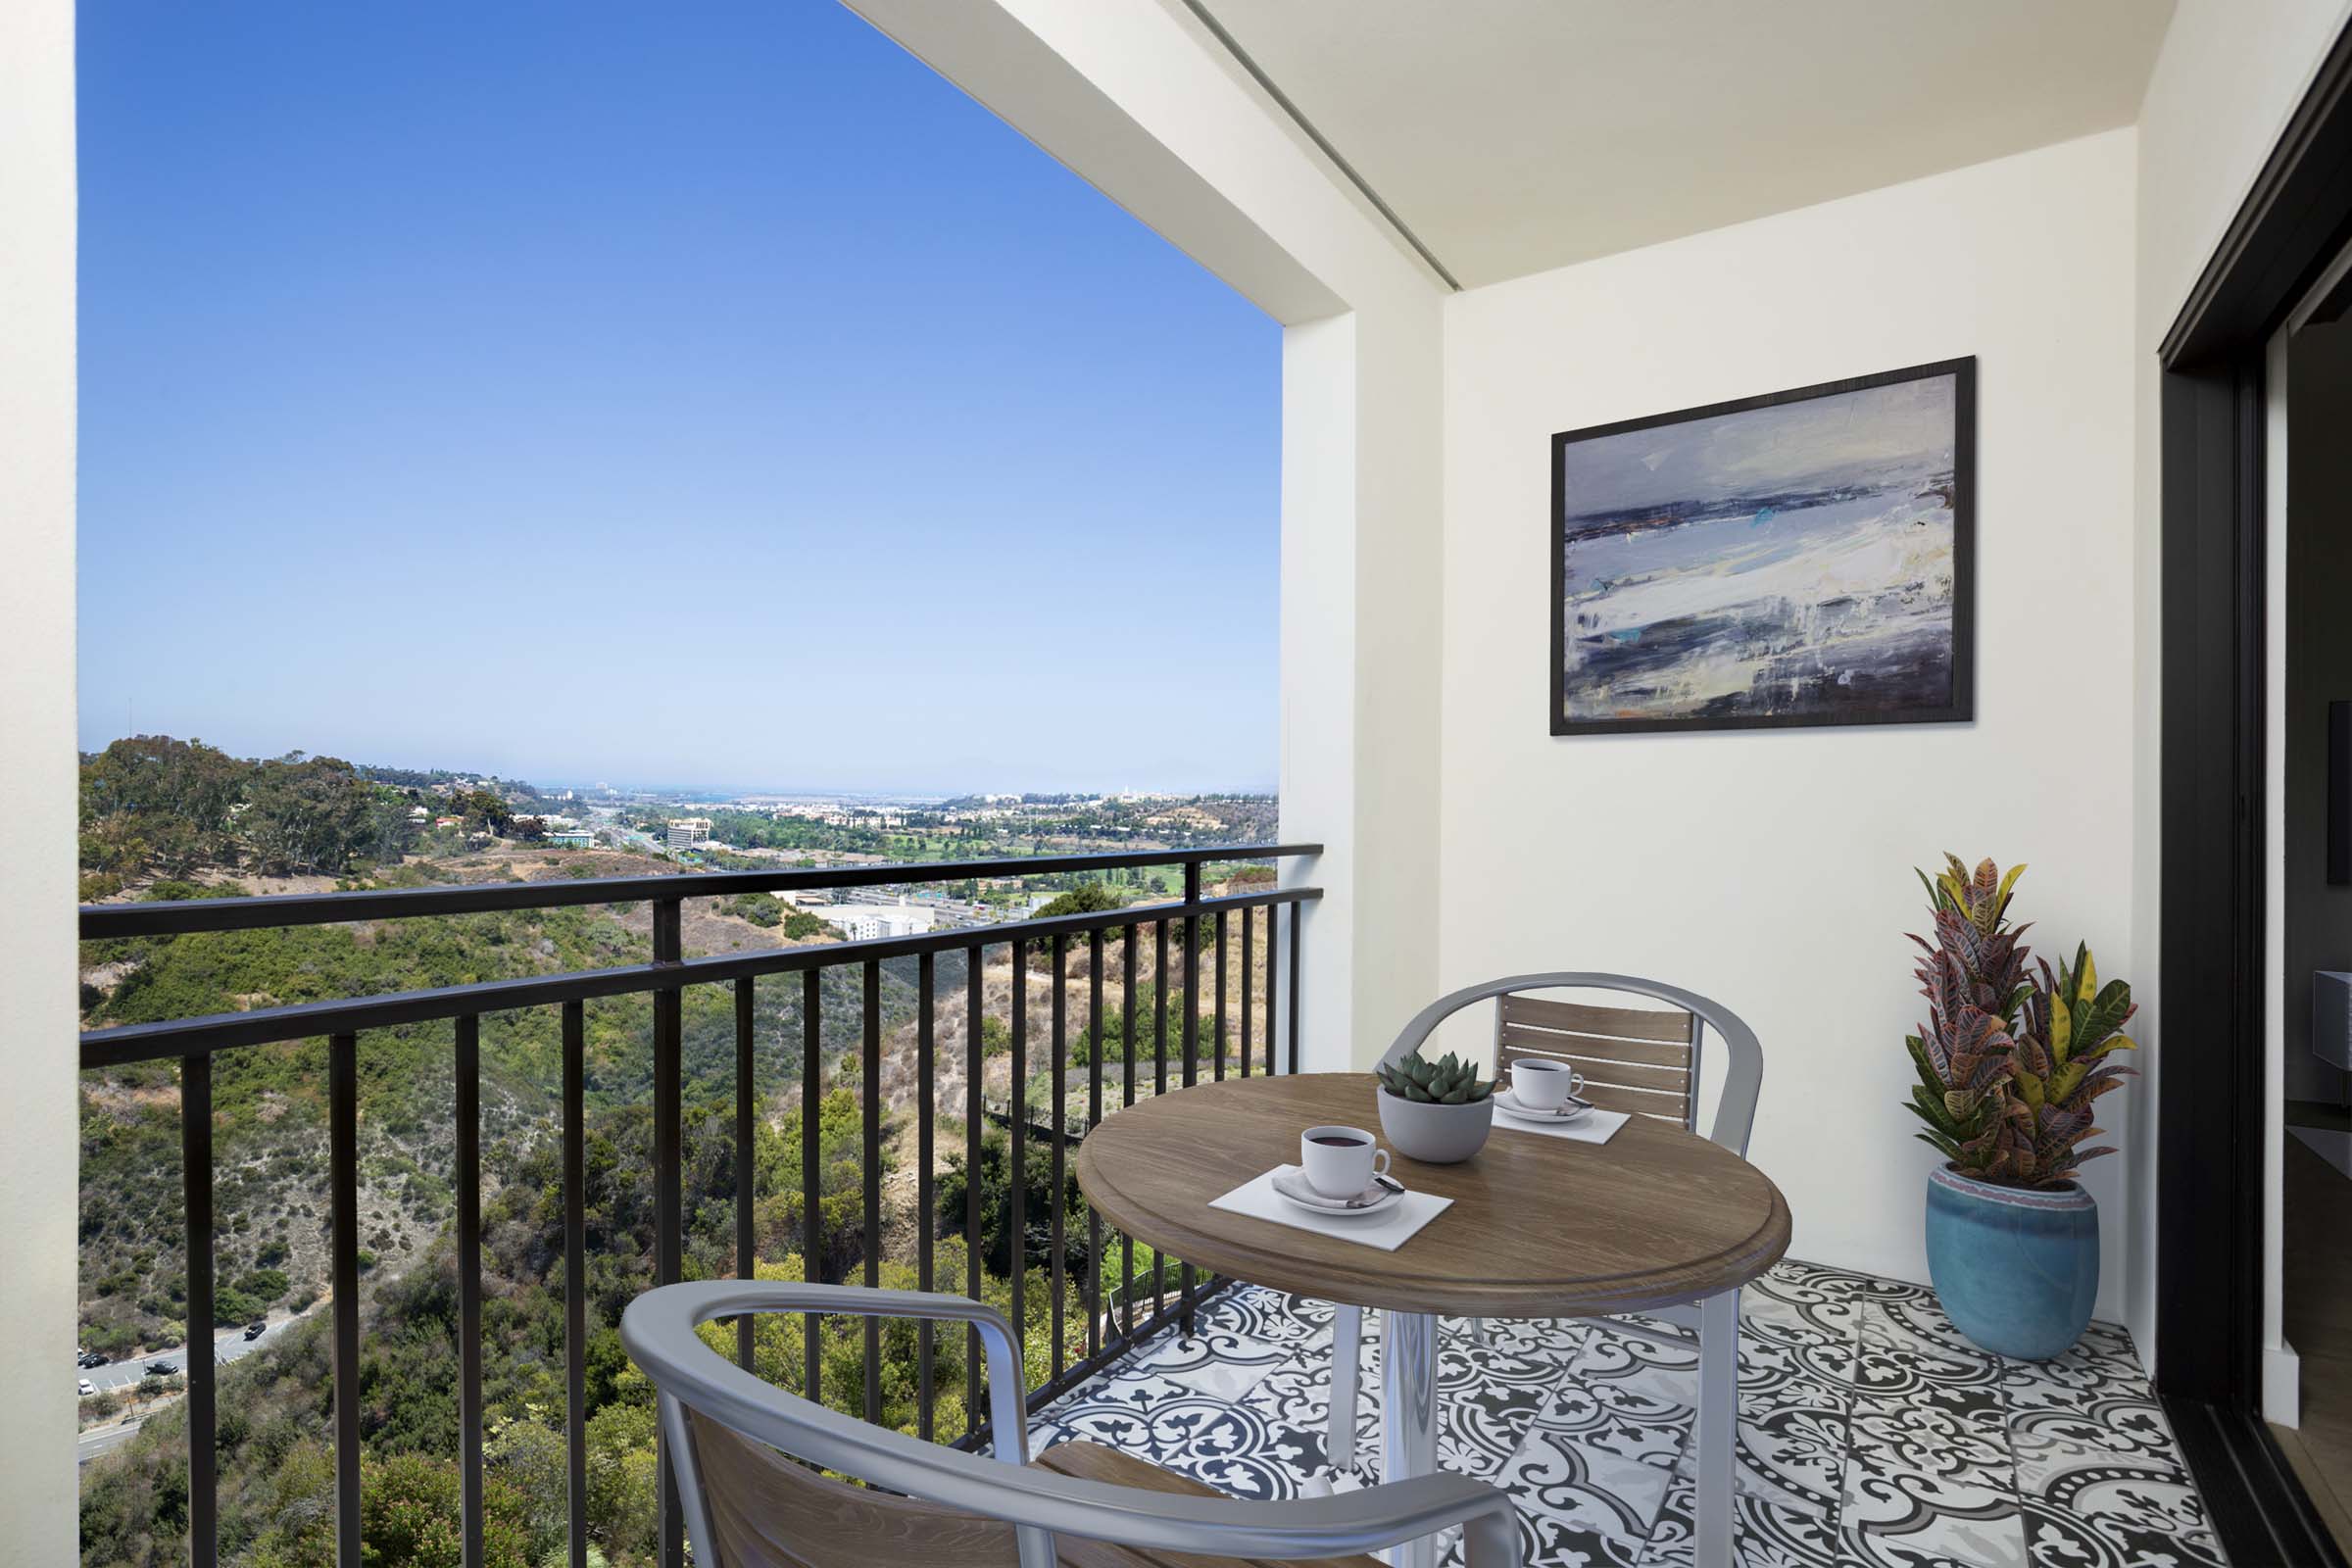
(1433,1133)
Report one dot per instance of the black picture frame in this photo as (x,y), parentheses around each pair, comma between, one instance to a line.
(1961,709)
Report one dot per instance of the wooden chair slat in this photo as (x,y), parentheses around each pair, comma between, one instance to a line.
(769,1513)
(1600,1048)
(1671,1026)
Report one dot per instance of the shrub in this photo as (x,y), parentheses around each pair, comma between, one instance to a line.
(760,909)
(410,1515)
(801,927)
(265,1285)
(996,1036)
(231,1306)
(1087,898)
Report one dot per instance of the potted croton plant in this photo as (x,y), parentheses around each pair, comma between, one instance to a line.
(2010,1062)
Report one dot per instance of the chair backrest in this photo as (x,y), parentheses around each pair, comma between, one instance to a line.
(732,1440)
(1639,1059)
(1636,1060)
(767,1512)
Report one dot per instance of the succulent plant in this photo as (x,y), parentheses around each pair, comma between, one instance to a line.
(1447,1081)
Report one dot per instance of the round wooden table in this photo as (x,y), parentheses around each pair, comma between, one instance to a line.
(1656,1218)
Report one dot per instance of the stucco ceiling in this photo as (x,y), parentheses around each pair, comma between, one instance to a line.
(1514,135)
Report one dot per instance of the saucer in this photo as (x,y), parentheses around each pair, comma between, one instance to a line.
(1509,1103)
(1290,1184)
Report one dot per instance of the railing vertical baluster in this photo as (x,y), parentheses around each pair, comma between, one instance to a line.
(975,995)
(872,1070)
(1133,938)
(1016,1221)
(1249,979)
(670,1173)
(1192,1040)
(1297,909)
(927,1109)
(575,1277)
(1159,1008)
(468,1173)
(1094,1119)
(343,1210)
(1217,1040)
(813,1094)
(1053,1121)
(747,1265)
(1273,981)
(196,1187)
(1159,1080)
(1191,975)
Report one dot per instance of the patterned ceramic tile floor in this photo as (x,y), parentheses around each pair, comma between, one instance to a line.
(1870,1432)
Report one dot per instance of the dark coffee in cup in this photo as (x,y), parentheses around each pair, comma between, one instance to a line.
(1340,1162)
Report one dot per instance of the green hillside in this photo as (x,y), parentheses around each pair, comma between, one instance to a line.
(275,1458)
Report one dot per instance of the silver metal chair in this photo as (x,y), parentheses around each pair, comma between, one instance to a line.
(745,1504)
(1641,1061)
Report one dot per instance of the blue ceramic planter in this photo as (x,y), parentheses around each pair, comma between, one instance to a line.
(2017,1271)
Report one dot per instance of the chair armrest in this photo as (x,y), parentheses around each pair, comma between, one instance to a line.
(699,1302)
(658,1330)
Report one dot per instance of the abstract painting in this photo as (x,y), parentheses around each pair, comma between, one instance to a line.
(1802,557)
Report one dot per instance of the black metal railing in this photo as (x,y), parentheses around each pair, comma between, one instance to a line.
(1112,1326)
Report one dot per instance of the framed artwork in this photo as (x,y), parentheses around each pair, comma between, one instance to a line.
(1803,557)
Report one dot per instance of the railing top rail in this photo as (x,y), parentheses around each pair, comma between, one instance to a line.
(101,921)
(121,1043)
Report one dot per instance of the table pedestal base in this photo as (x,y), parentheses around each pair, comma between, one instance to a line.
(1408,1414)
(1718,1427)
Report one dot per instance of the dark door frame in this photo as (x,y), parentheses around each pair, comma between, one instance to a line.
(2212,1113)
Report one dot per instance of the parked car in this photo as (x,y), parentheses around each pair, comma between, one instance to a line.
(257,1328)
(159,1368)
(87,1387)
(93,1358)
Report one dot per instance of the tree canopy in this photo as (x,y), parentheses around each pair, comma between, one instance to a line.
(155,806)
(1087,898)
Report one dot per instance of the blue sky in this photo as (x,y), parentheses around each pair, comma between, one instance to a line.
(694,395)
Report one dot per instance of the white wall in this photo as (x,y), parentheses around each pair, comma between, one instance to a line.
(1772,870)
(39,1152)
(2225,83)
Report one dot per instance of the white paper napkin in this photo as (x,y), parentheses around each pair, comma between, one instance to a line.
(1388,1231)
(1595,1126)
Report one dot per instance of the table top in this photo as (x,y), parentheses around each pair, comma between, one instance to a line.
(1539,1226)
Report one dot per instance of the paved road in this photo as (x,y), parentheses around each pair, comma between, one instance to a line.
(105,1439)
(228,1347)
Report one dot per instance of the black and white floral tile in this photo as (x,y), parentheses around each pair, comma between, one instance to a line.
(1871,1431)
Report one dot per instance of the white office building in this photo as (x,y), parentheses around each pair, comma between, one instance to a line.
(689,832)
(867,922)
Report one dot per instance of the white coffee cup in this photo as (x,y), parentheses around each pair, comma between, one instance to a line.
(1542,1084)
(1340,1161)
